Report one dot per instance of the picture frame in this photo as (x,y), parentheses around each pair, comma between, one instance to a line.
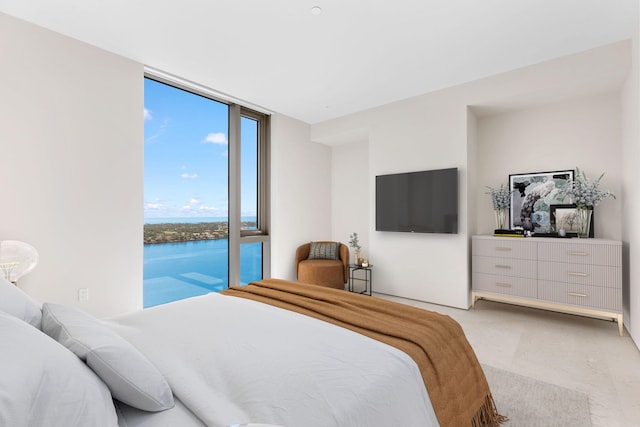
(564,216)
(533,194)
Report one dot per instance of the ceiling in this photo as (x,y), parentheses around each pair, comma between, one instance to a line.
(355,55)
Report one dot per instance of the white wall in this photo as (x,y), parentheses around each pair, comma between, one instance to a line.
(71,135)
(436,130)
(472,167)
(558,136)
(631,192)
(350,185)
(300,192)
(418,134)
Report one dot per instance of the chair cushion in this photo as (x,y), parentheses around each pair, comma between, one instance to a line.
(322,272)
(328,250)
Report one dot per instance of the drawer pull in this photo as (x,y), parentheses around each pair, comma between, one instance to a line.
(575,273)
(503,248)
(506,267)
(503,285)
(575,294)
(577,253)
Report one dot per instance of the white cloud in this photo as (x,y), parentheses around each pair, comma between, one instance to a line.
(154,206)
(201,210)
(147,114)
(194,201)
(211,209)
(216,138)
(189,175)
(159,132)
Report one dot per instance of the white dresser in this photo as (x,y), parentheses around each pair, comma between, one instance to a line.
(582,276)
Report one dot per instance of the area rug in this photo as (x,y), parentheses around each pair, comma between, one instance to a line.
(532,403)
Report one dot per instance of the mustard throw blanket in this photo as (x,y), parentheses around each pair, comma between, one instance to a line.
(456,383)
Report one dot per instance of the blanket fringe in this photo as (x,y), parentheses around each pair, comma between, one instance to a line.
(487,415)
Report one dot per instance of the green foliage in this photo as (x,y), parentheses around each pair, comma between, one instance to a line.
(353,241)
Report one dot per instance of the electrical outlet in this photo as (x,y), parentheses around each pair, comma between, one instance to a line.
(83,294)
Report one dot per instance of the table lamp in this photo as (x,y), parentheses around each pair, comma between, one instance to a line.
(16,259)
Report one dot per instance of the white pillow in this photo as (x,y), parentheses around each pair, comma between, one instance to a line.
(131,377)
(19,304)
(44,384)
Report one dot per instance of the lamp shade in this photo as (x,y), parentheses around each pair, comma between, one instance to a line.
(16,259)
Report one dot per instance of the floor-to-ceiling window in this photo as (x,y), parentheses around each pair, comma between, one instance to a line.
(205,178)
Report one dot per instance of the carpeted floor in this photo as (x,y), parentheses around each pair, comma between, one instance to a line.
(532,403)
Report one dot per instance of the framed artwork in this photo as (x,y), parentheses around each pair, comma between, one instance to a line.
(533,194)
(564,217)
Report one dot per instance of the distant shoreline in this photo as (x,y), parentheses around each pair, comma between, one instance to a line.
(188,232)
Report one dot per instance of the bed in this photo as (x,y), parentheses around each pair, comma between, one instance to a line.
(274,353)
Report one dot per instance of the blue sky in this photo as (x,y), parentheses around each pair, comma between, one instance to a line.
(186,155)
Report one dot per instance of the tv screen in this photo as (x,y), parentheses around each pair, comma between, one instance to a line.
(418,202)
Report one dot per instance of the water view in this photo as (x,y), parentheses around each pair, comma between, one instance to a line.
(185,259)
(174,271)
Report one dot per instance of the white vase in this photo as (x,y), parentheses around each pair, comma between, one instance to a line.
(502,217)
(357,254)
(583,216)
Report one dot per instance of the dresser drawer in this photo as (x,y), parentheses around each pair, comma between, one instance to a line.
(505,266)
(505,247)
(581,295)
(584,274)
(581,253)
(515,286)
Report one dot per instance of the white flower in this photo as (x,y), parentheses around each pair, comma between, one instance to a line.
(501,197)
(586,194)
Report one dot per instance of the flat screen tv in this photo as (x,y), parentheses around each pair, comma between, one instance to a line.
(418,202)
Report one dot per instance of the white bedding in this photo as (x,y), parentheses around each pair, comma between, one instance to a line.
(231,361)
(178,416)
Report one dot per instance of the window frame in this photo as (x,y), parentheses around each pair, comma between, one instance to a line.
(237,110)
(262,217)
(237,236)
